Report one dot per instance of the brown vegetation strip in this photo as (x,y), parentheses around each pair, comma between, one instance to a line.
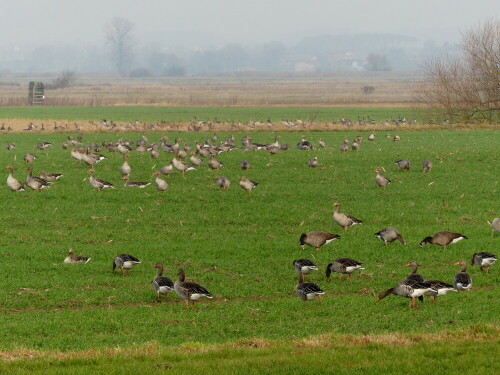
(330,340)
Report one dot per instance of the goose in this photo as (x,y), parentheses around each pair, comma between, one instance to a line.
(12,182)
(343,266)
(161,185)
(483,260)
(245,165)
(137,184)
(495,226)
(403,164)
(358,139)
(396,138)
(342,219)
(11,146)
(214,164)
(195,160)
(76,154)
(371,137)
(92,159)
(155,154)
(304,144)
(322,143)
(29,158)
(409,289)
(123,148)
(344,147)
(313,162)
(276,142)
(43,145)
(50,176)
(65,145)
(381,181)
(355,146)
(308,291)
(413,274)
(388,235)
(440,289)
(426,166)
(162,284)
(223,182)
(443,238)
(98,183)
(317,239)
(125,262)
(181,166)
(125,168)
(189,291)
(305,266)
(272,150)
(248,184)
(462,280)
(75,259)
(35,183)
(167,169)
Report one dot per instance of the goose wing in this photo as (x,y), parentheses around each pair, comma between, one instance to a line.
(193,288)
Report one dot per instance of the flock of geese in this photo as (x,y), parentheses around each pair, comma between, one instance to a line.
(413,287)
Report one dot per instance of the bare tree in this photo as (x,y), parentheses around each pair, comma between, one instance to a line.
(119,35)
(467,88)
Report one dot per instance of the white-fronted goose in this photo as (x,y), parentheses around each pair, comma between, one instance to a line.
(409,289)
(344,266)
(223,182)
(125,168)
(189,291)
(43,145)
(195,160)
(305,266)
(304,144)
(181,166)
(248,184)
(71,258)
(316,239)
(426,165)
(483,260)
(308,291)
(137,184)
(125,262)
(76,154)
(389,235)
(413,274)
(381,181)
(342,219)
(214,164)
(50,176)
(12,182)
(161,185)
(443,238)
(167,169)
(403,164)
(462,280)
(245,165)
(162,284)
(98,183)
(29,158)
(495,225)
(313,162)
(35,183)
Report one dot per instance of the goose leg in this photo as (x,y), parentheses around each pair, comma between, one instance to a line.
(340,276)
(187,304)
(350,276)
(319,299)
(157,296)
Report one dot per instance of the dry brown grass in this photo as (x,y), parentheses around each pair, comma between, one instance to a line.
(329,340)
(390,89)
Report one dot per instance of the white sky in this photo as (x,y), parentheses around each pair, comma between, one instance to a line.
(39,22)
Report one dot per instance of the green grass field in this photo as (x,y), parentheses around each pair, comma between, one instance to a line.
(240,247)
(184,114)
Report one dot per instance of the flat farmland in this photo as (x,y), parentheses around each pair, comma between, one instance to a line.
(240,246)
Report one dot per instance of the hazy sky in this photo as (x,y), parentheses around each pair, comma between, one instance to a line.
(209,23)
